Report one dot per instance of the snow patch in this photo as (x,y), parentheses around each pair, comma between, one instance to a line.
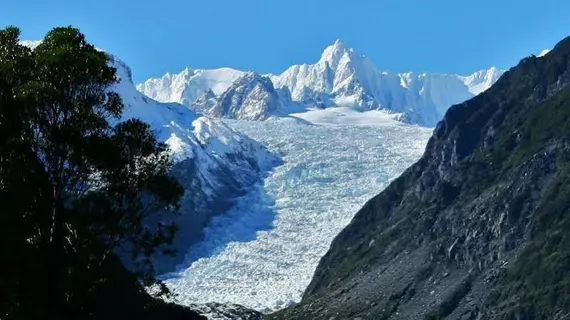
(543,53)
(348,116)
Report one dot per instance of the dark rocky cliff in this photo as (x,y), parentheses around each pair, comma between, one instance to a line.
(478,228)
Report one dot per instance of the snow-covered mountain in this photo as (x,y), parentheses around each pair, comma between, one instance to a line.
(340,72)
(214,163)
(186,86)
(250,97)
(341,77)
(482,80)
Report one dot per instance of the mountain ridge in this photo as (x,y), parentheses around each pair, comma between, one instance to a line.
(341,77)
(185,87)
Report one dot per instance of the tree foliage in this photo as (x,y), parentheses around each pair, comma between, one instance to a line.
(77,186)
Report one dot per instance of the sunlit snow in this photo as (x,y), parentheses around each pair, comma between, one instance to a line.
(544,52)
(262,254)
(349,116)
(341,77)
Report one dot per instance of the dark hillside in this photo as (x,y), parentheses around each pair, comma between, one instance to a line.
(478,228)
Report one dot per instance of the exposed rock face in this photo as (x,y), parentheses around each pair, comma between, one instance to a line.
(205,102)
(251,97)
(478,228)
(221,311)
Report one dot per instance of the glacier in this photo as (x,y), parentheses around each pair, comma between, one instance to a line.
(332,138)
(263,252)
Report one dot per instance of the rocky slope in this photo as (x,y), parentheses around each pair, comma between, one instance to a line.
(478,228)
(250,97)
(219,311)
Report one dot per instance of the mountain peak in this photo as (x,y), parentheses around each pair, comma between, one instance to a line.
(251,75)
(251,97)
(339,43)
(341,77)
(333,53)
(250,78)
(188,85)
(187,72)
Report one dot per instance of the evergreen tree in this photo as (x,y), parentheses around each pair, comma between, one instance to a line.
(76,185)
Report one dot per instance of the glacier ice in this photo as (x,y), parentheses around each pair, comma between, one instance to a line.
(263,252)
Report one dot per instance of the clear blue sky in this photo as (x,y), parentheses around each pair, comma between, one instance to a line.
(153,37)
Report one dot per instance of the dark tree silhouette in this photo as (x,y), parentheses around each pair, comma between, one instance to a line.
(76,186)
